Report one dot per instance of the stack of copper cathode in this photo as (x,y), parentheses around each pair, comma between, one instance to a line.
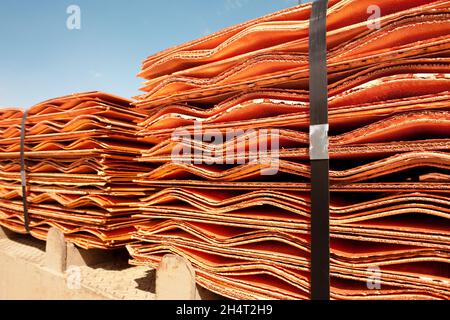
(243,221)
(78,164)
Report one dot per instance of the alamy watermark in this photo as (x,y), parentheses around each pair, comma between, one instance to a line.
(73,21)
(234,146)
(374,22)
(73,278)
(374,278)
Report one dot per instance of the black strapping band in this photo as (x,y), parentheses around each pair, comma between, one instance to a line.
(23,173)
(320,164)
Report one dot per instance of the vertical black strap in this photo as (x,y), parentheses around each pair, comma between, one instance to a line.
(23,173)
(320,192)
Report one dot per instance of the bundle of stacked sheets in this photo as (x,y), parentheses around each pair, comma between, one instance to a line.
(79,166)
(244,226)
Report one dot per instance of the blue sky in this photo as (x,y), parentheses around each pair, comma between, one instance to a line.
(40,58)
